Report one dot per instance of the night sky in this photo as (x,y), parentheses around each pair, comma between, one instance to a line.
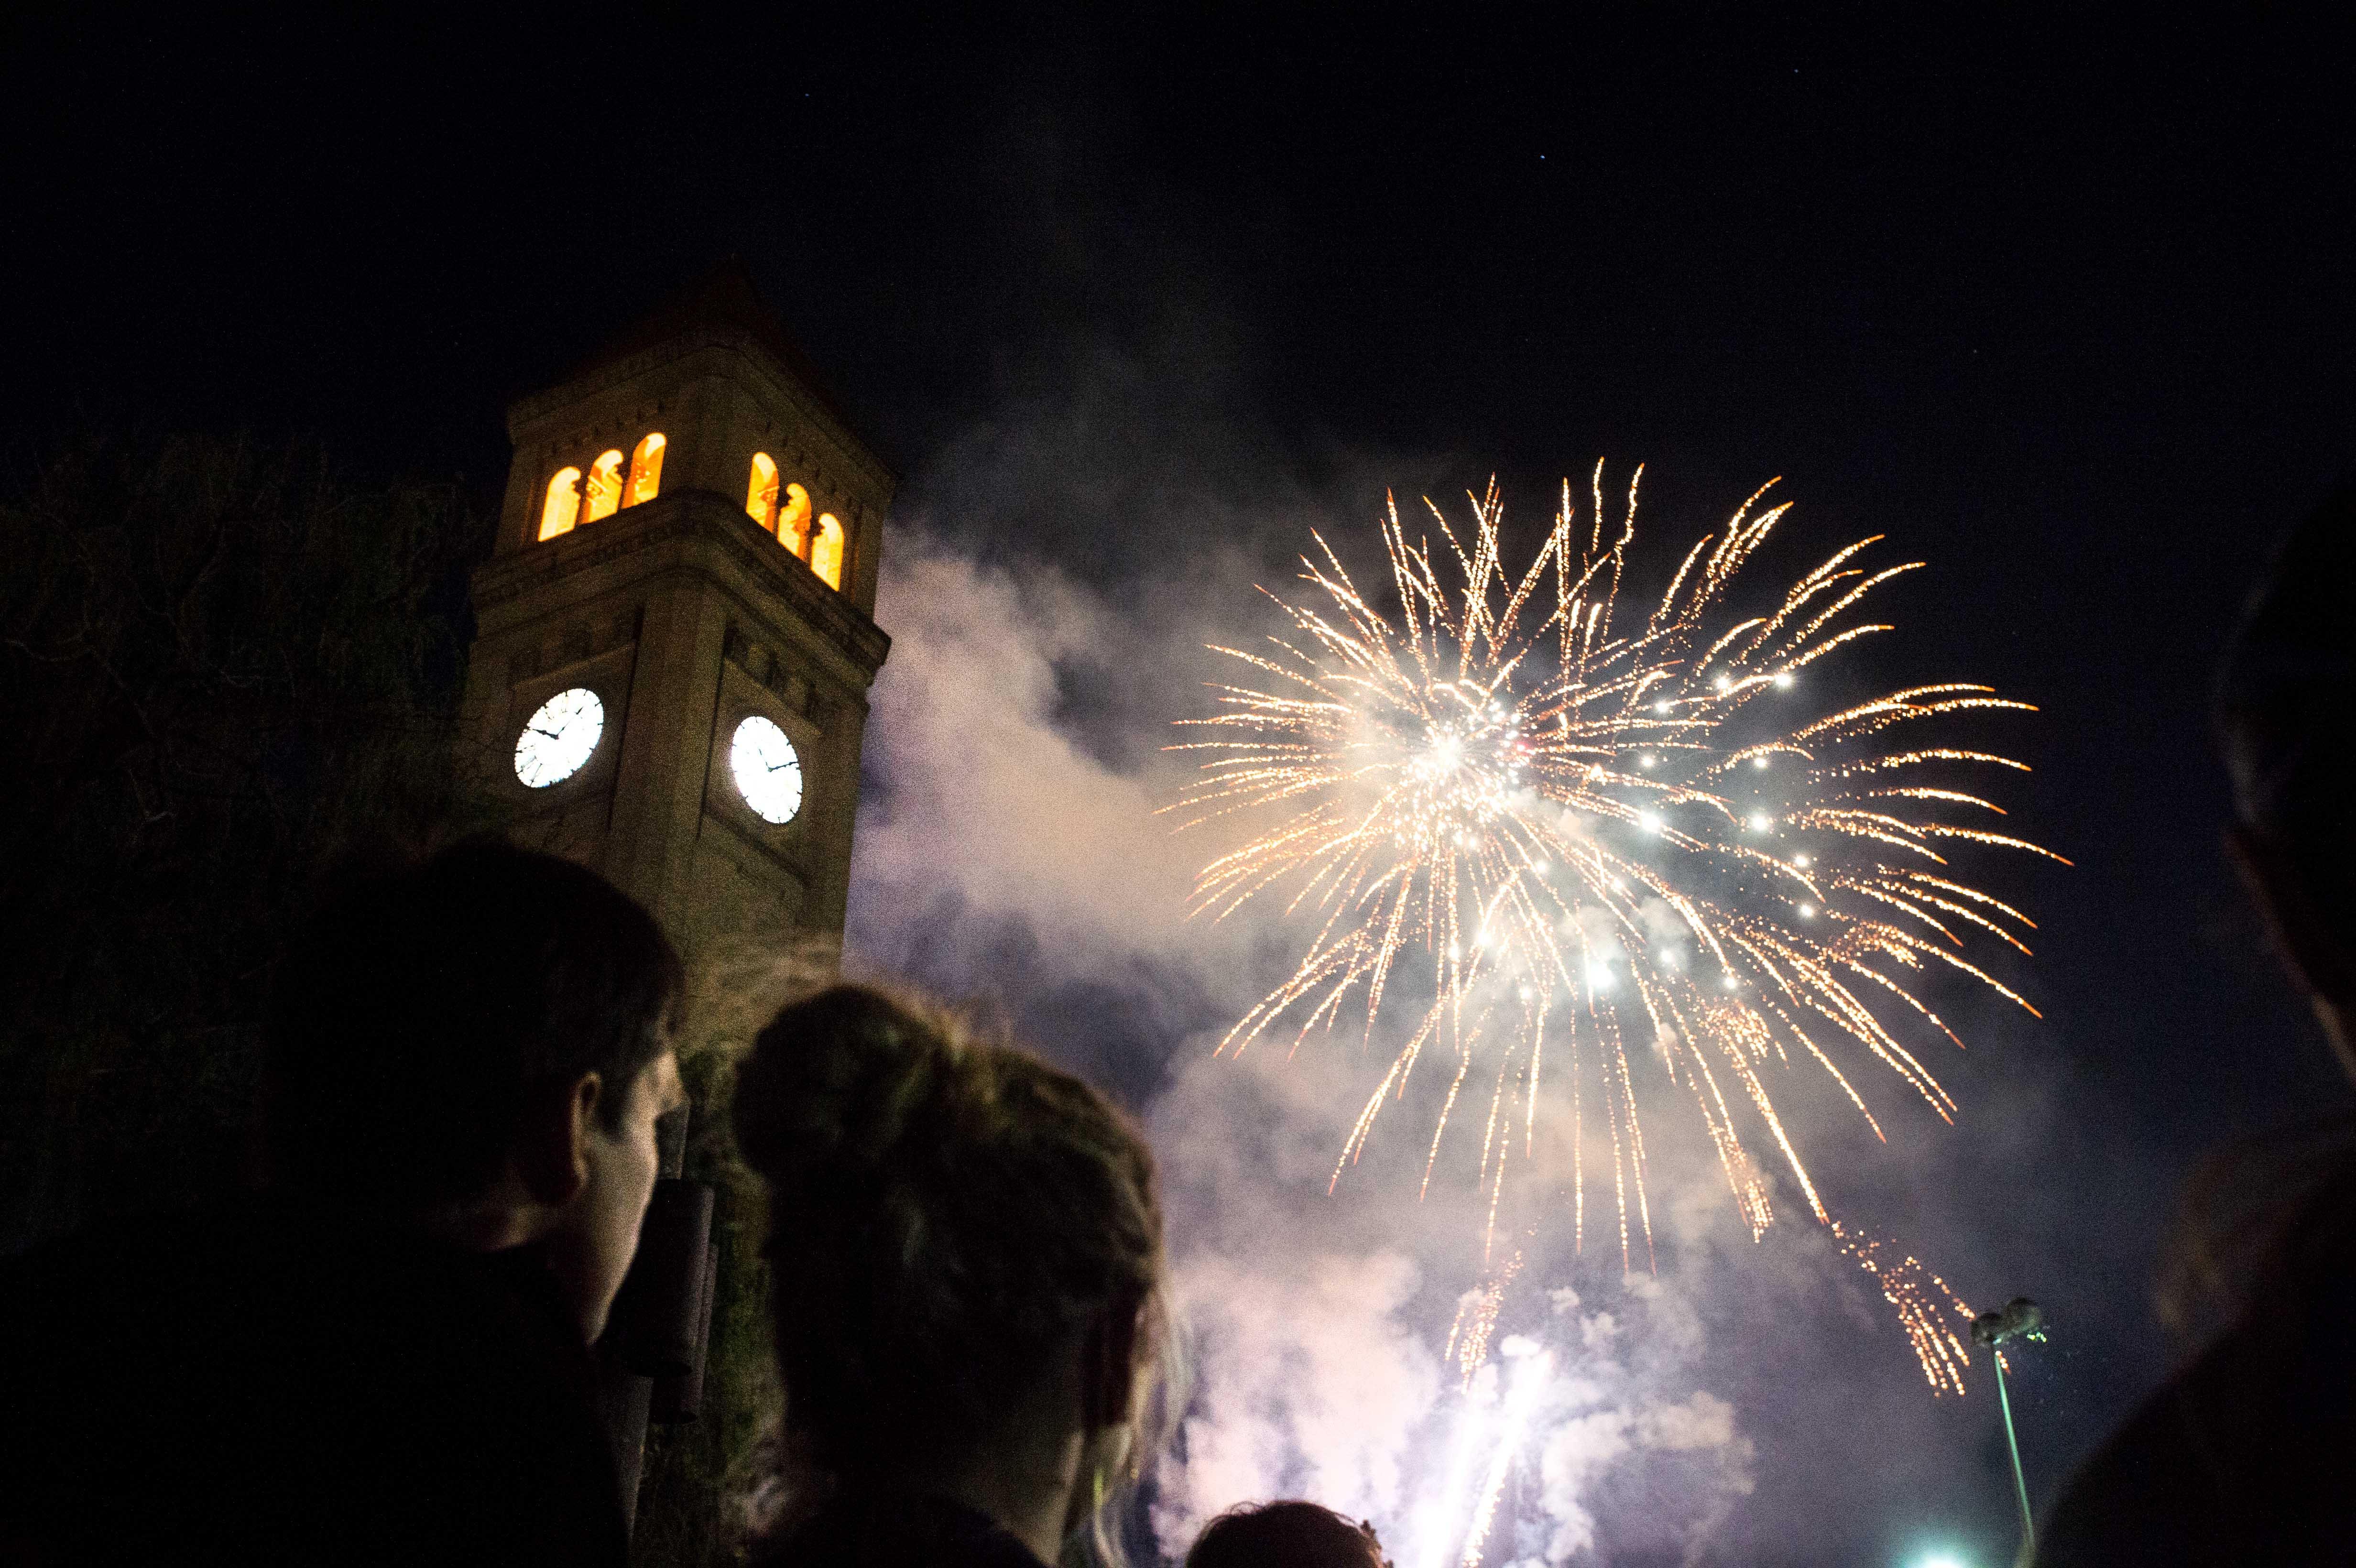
(2067,311)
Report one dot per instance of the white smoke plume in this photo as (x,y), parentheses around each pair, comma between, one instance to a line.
(1318,1384)
(986,797)
(1312,1383)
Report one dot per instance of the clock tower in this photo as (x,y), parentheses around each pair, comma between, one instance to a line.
(674,633)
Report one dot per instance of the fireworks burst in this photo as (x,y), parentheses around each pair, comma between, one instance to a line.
(1594,831)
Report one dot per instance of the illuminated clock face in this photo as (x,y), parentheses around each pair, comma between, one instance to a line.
(769,773)
(559,737)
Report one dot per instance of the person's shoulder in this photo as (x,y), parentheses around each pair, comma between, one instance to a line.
(2232,1459)
(474,1419)
(2143,1497)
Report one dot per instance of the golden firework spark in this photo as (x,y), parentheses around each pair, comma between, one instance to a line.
(1476,1321)
(1923,1301)
(1595,831)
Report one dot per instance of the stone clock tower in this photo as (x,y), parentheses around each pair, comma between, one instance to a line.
(674,639)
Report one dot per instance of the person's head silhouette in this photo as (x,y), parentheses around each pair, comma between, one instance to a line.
(1290,1534)
(966,1261)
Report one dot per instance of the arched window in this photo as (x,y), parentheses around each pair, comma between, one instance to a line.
(562,507)
(793,523)
(826,550)
(646,471)
(761,494)
(604,487)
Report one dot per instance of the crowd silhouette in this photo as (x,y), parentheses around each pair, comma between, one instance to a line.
(384,1354)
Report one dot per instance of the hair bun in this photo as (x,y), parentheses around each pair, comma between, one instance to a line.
(947,1216)
(833,1084)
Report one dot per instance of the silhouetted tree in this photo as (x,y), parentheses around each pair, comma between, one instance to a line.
(222,666)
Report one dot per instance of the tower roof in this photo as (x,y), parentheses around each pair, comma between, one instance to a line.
(726,298)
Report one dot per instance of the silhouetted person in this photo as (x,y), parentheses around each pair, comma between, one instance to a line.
(385,1357)
(1285,1535)
(2249,1454)
(967,1257)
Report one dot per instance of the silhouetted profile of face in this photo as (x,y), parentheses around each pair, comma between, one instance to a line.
(592,1242)
(2287,720)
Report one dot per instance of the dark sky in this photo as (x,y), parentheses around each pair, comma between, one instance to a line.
(2066,307)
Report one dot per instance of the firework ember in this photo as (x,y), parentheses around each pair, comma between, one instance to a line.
(1595,826)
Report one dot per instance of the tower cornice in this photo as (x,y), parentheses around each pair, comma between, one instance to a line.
(700,533)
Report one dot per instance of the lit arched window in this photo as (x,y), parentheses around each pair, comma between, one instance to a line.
(826,550)
(793,523)
(761,494)
(562,507)
(646,471)
(604,487)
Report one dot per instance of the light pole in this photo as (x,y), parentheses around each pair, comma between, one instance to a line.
(2020,1318)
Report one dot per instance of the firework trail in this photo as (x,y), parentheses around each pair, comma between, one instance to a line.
(1476,1320)
(1593,827)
